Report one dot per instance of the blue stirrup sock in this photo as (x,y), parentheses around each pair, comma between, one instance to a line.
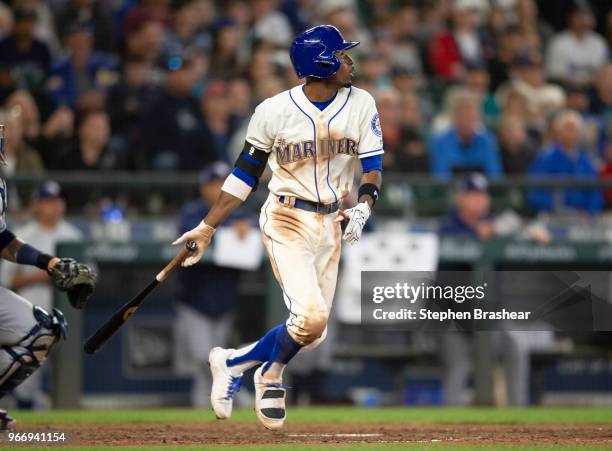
(285,348)
(249,356)
(276,346)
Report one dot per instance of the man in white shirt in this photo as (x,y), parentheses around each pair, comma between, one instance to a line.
(575,55)
(46,229)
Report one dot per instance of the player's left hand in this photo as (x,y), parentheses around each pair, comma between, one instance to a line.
(202,234)
(76,279)
(357,217)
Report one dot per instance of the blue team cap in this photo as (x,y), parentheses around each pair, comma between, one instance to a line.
(474,182)
(47,190)
(214,171)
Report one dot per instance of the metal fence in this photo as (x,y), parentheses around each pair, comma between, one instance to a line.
(402,195)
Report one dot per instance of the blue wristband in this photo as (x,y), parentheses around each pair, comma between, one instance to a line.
(28,255)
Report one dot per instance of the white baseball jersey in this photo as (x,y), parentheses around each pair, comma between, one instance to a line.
(312,152)
(44,240)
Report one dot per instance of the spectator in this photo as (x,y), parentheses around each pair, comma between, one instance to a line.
(91,151)
(6,21)
(301,13)
(171,131)
(82,77)
(46,229)
(25,61)
(146,41)
(263,74)
(517,149)
(224,56)
(239,99)
(148,11)
(343,15)
(575,55)
(577,98)
(91,14)
(565,158)
(44,30)
(208,293)
(449,50)
(530,21)
(216,116)
(510,45)
(404,31)
(125,106)
(239,12)
(21,158)
(56,138)
(30,116)
(467,146)
(417,95)
(389,105)
(529,82)
(374,71)
(188,32)
(269,24)
(478,81)
(411,155)
(601,101)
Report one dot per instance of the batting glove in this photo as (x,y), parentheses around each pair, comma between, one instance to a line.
(202,235)
(357,217)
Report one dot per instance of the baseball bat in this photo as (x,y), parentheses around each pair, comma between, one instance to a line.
(108,329)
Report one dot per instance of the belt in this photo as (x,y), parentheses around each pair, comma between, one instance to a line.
(307,205)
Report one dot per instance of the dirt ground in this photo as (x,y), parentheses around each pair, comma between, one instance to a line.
(237,433)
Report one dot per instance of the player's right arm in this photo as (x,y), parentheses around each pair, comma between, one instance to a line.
(243,179)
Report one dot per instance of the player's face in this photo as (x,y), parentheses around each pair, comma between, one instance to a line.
(475,204)
(344,76)
(50,210)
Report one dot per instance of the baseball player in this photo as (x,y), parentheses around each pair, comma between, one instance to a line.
(28,333)
(310,136)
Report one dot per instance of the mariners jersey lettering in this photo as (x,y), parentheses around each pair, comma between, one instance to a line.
(313,153)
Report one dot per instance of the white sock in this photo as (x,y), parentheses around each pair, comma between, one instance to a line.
(239,368)
(275,372)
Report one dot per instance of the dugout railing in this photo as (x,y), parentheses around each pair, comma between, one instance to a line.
(404,195)
(67,380)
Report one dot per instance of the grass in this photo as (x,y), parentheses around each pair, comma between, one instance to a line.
(334,415)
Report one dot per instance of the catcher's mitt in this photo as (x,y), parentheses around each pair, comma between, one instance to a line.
(77,279)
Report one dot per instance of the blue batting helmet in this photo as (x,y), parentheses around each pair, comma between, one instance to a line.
(313,53)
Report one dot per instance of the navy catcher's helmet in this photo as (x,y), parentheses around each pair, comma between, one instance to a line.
(313,53)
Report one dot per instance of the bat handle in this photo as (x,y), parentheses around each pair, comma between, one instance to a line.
(190,247)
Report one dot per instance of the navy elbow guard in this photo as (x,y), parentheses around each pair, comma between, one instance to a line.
(250,164)
(248,168)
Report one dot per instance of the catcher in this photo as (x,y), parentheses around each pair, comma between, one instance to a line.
(28,333)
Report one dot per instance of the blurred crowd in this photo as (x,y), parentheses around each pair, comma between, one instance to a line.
(492,86)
